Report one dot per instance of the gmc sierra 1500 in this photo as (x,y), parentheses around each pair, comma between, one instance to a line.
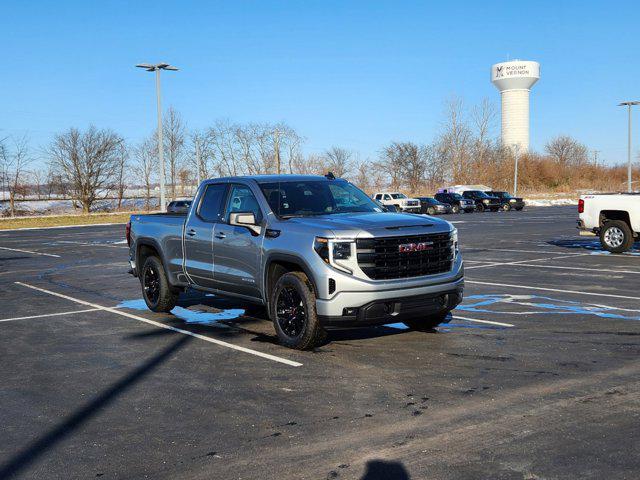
(316,251)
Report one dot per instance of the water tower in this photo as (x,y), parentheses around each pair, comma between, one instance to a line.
(514,79)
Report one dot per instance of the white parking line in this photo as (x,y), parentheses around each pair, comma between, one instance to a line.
(525,251)
(529,287)
(167,327)
(481,321)
(499,264)
(599,270)
(29,251)
(48,315)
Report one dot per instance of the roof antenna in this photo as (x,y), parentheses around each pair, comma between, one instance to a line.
(330,176)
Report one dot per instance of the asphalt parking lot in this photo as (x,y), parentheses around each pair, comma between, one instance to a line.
(537,375)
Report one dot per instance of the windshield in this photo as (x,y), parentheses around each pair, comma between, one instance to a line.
(398,195)
(477,194)
(307,198)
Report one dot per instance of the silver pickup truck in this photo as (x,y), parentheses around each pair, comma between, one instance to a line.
(316,251)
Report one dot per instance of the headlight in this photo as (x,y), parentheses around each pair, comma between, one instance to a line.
(333,252)
(454,243)
(512,200)
(485,200)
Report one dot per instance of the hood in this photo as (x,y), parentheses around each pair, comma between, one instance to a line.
(376,224)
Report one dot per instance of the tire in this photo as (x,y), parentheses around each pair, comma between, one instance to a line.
(431,211)
(616,236)
(156,291)
(519,208)
(428,323)
(455,209)
(301,328)
(506,207)
(480,207)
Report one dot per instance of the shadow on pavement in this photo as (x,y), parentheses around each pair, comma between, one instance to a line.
(30,453)
(384,470)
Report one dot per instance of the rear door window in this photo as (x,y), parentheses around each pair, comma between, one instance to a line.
(211,205)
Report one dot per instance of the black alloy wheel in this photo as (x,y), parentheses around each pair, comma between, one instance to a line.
(151,284)
(290,312)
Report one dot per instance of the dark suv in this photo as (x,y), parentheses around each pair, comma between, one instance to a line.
(457,202)
(431,206)
(483,201)
(508,202)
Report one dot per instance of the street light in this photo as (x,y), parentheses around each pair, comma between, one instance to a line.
(629,105)
(516,153)
(156,68)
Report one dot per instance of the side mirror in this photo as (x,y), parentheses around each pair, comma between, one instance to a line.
(245,219)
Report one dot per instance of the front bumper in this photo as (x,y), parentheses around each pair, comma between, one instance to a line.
(411,209)
(366,308)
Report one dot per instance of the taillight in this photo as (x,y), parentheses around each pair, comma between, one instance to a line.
(127,232)
(581,206)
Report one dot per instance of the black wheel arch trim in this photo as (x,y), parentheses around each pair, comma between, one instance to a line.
(285,257)
(153,243)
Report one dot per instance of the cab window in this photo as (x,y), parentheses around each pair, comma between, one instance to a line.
(242,199)
(210,209)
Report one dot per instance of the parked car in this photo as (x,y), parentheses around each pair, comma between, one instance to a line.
(399,200)
(458,202)
(431,206)
(508,202)
(283,242)
(614,217)
(483,201)
(179,206)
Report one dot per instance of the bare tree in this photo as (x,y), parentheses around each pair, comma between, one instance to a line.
(146,156)
(339,161)
(567,151)
(122,165)
(173,138)
(15,160)
(86,161)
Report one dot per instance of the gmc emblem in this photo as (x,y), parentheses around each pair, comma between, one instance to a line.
(415,247)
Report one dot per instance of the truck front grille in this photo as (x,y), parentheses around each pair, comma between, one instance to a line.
(382,259)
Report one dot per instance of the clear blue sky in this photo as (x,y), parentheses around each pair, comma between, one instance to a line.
(351,74)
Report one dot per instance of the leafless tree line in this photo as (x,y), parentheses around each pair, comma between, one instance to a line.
(95,163)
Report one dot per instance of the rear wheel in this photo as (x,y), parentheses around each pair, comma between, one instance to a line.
(428,323)
(156,291)
(616,236)
(293,310)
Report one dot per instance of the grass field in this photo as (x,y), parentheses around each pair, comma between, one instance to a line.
(63,220)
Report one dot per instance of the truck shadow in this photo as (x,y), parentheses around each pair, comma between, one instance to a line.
(590,244)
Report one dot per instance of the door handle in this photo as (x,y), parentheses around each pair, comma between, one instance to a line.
(220,235)
(191,232)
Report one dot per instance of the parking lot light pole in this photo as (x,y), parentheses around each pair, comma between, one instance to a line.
(156,68)
(516,153)
(629,105)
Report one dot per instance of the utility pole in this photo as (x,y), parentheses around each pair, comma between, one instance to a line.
(198,162)
(156,68)
(516,152)
(629,105)
(276,147)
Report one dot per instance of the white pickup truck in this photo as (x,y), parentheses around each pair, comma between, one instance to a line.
(614,217)
(398,200)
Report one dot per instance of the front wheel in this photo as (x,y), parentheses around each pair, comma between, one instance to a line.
(431,211)
(156,291)
(455,209)
(293,310)
(480,207)
(616,236)
(506,207)
(428,323)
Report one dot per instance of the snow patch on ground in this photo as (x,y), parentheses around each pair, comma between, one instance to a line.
(550,202)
